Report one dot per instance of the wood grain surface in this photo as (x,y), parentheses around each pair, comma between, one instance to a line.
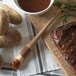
(39,22)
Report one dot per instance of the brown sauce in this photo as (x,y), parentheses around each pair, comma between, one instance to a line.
(33,5)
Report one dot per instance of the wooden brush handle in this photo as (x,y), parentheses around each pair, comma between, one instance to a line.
(16,62)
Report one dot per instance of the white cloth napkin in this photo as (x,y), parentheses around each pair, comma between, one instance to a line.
(39,60)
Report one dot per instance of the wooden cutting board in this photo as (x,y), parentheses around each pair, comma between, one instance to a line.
(39,22)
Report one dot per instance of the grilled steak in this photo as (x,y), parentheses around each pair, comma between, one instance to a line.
(65,37)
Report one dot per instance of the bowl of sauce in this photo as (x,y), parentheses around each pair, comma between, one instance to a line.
(33,7)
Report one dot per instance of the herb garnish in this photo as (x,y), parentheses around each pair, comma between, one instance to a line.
(69,9)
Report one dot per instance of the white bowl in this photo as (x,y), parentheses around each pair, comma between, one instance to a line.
(32,13)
